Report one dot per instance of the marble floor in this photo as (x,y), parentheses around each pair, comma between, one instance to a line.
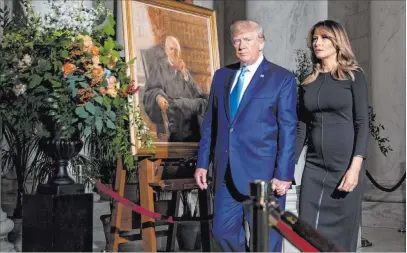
(383,240)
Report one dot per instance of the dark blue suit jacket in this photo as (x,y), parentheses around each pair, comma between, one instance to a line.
(259,142)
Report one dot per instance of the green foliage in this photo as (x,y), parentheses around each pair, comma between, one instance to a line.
(303,64)
(376,131)
(67,83)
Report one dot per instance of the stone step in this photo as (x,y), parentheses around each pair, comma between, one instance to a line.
(384,214)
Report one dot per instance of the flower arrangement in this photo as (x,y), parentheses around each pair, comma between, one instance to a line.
(63,71)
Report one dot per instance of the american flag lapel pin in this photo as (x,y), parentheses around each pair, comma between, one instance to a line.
(261,75)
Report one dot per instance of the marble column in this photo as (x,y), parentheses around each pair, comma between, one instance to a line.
(205,3)
(100,207)
(388,32)
(6,225)
(354,15)
(232,11)
(388,90)
(286,25)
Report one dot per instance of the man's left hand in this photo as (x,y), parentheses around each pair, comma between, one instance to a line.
(280,186)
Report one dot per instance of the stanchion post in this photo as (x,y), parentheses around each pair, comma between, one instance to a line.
(259,191)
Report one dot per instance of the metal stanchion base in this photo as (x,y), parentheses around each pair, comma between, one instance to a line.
(366,243)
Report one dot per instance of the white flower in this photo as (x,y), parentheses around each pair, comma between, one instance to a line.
(19,89)
(26,60)
(72,15)
(143,129)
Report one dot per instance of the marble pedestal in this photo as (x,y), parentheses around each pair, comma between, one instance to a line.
(6,225)
(100,208)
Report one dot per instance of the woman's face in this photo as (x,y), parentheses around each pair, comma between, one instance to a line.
(322,45)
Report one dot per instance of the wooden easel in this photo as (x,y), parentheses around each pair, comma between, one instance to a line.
(150,173)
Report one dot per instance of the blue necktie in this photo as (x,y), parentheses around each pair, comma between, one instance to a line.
(236,93)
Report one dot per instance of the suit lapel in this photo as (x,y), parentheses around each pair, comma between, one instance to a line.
(255,83)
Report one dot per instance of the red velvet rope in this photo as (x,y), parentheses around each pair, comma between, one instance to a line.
(294,238)
(283,228)
(134,207)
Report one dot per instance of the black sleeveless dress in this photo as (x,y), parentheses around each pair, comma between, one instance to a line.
(333,118)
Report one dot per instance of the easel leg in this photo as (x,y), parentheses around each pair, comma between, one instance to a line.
(146,175)
(172,228)
(206,228)
(114,238)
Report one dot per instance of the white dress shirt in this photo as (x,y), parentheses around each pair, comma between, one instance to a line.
(251,69)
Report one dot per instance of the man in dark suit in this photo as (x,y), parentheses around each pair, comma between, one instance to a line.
(249,130)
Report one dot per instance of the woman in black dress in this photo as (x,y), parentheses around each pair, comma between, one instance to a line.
(334,123)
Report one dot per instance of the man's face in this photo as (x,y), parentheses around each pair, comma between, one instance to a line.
(248,46)
(171,50)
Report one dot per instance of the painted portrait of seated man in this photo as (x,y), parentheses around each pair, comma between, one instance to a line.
(172,99)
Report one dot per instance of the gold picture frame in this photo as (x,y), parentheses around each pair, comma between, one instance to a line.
(176,50)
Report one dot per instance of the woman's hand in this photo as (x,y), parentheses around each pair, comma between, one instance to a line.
(350,180)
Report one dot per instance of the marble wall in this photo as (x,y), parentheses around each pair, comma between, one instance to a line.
(233,11)
(354,15)
(205,3)
(388,87)
(285,23)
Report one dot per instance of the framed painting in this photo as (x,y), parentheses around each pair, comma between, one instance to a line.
(176,50)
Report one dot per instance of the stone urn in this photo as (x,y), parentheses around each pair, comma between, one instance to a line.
(61,150)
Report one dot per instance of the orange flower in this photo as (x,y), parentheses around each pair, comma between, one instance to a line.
(95,50)
(95,60)
(68,68)
(87,42)
(97,73)
(93,82)
(85,94)
(85,61)
(112,62)
(103,90)
(112,91)
(113,86)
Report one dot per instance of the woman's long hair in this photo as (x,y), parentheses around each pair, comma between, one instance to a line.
(345,57)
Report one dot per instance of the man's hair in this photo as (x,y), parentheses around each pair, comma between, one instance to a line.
(247,26)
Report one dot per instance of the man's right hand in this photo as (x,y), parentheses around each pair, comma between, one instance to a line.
(200,177)
(280,186)
(162,102)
